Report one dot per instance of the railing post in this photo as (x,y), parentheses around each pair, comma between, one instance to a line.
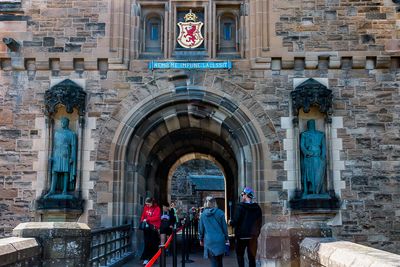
(188,245)
(163,262)
(188,242)
(183,244)
(174,249)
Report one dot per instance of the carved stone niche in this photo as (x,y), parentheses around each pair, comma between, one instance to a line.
(66,93)
(310,93)
(307,96)
(63,201)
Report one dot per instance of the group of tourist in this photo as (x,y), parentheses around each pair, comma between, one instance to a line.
(157,227)
(212,228)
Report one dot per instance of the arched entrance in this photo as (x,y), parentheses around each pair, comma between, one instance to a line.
(193,177)
(164,128)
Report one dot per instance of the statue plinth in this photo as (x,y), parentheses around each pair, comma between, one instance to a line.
(59,208)
(315,203)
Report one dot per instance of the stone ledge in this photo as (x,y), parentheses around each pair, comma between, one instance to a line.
(88,63)
(32,229)
(329,252)
(16,249)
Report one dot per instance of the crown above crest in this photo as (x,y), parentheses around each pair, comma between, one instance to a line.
(190,16)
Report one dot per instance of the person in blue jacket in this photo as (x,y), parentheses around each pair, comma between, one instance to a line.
(213,232)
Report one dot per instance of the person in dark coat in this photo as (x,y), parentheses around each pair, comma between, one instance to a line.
(213,232)
(167,222)
(247,222)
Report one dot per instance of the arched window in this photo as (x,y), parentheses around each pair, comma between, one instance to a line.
(227,45)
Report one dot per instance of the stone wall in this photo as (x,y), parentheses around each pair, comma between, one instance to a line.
(354,45)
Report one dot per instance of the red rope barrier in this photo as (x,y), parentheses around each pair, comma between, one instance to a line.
(168,241)
(158,254)
(154,259)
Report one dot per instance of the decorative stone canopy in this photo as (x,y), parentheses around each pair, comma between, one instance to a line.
(311,93)
(67,93)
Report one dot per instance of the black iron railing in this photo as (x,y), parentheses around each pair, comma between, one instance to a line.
(111,245)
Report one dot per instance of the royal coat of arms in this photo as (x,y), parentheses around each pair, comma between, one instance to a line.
(190,31)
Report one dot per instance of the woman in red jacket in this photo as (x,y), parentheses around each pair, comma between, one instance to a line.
(152,216)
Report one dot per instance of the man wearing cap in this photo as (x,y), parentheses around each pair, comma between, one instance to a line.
(247,222)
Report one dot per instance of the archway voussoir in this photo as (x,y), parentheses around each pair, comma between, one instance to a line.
(164,84)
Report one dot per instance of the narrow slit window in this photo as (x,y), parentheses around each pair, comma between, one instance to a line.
(154,31)
(227,31)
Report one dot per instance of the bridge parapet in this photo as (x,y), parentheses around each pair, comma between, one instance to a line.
(17,251)
(62,243)
(321,252)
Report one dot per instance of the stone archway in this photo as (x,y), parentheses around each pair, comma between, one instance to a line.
(196,165)
(158,131)
(159,122)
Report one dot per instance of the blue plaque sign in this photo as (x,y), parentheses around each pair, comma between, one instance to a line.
(190,65)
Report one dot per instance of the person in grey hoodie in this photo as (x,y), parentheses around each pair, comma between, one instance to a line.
(213,232)
(247,222)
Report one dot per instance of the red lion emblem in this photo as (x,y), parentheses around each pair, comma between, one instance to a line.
(190,34)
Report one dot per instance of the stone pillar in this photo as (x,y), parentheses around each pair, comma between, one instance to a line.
(279,243)
(63,243)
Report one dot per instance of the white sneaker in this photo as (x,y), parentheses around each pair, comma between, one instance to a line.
(145,262)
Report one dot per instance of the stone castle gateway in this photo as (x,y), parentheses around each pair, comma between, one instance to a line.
(278,64)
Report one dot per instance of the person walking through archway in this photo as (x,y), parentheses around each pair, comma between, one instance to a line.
(213,232)
(247,222)
(151,216)
(167,222)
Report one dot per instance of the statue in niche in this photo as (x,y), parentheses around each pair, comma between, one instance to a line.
(63,160)
(313,160)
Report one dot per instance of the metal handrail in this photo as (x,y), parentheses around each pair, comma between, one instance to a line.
(110,245)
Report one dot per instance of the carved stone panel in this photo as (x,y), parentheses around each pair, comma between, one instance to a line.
(310,93)
(67,93)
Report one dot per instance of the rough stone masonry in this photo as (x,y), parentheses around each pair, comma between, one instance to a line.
(352,45)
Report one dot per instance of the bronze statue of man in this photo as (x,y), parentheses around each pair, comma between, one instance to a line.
(63,160)
(313,159)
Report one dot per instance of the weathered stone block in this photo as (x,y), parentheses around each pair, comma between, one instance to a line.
(70,47)
(48,41)
(281,242)
(62,242)
(8,254)
(15,251)
(329,252)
